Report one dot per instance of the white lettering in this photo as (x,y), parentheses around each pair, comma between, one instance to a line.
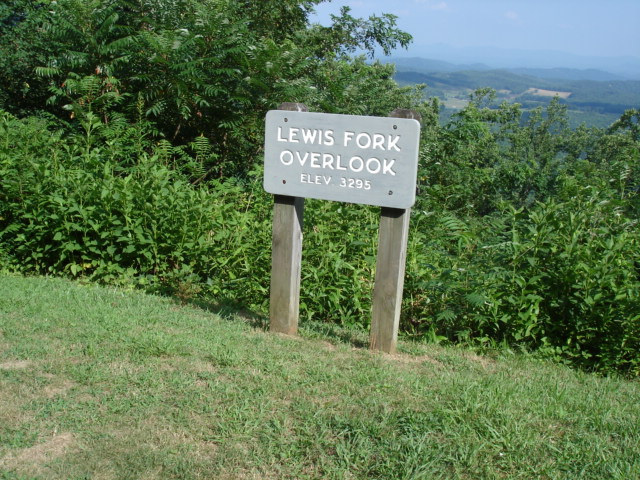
(377,165)
(351,164)
(288,161)
(302,160)
(392,143)
(363,140)
(280,137)
(378,141)
(367,142)
(327,160)
(347,137)
(315,179)
(339,166)
(328,138)
(309,136)
(330,161)
(387,167)
(315,158)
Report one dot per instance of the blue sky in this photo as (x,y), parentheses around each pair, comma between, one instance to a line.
(602,28)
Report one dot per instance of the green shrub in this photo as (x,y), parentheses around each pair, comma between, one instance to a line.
(69,209)
(567,283)
(561,278)
(338,262)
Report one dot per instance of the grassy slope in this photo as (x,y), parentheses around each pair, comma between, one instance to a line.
(100,383)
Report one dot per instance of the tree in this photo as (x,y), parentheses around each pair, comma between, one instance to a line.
(22,48)
(214,67)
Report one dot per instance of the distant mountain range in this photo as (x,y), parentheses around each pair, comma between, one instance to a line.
(424,65)
(593,96)
(445,58)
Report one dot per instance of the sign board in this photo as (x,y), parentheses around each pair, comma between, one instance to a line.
(346,158)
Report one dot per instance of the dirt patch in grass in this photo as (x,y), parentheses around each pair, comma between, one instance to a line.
(199,366)
(122,367)
(327,345)
(414,359)
(13,398)
(154,434)
(484,362)
(58,387)
(34,460)
(15,364)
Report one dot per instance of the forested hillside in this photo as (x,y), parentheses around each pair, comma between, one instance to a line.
(131,141)
(592,97)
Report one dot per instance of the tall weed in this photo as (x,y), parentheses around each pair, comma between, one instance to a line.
(68,209)
(561,278)
(568,280)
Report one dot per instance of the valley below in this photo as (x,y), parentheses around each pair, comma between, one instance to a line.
(593,98)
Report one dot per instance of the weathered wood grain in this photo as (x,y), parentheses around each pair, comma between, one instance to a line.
(390,269)
(286,251)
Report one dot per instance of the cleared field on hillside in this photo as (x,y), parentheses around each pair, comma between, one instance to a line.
(547,93)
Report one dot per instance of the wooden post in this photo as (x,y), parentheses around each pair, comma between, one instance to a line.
(390,268)
(286,251)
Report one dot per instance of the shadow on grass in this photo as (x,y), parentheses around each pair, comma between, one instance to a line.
(353,336)
(229,310)
(330,332)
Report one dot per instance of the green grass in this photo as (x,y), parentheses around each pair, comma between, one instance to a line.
(107,384)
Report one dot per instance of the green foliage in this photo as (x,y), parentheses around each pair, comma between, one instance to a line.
(558,275)
(348,34)
(524,232)
(527,235)
(561,278)
(204,68)
(338,262)
(572,287)
(22,49)
(68,209)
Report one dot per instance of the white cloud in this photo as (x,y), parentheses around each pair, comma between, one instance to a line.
(511,15)
(439,6)
(431,5)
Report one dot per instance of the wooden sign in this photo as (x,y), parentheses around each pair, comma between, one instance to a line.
(345,158)
(369,160)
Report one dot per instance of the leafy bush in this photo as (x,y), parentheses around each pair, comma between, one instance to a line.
(570,284)
(561,278)
(194,67)
(68,209)
(338,262)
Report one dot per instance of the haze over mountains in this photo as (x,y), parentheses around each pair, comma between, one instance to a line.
(425,65)
(448,58)
(596,90)
(418,64)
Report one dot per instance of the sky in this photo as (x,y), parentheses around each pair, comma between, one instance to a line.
(595,28)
